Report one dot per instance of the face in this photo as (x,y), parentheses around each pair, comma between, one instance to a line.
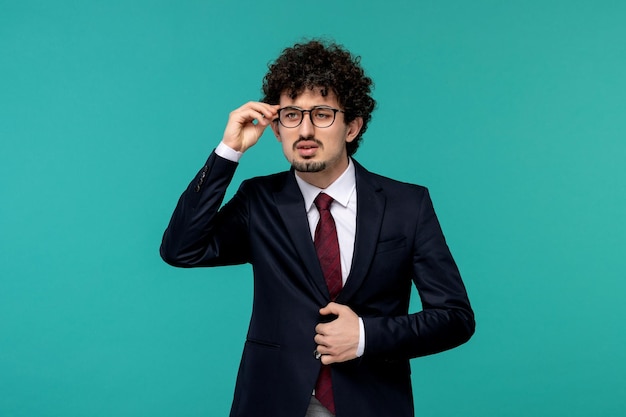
(317,154)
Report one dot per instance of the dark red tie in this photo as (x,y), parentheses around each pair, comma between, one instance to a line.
(327,247)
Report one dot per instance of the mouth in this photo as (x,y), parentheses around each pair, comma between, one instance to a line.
(307,147)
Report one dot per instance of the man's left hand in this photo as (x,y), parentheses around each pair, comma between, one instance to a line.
(337,341)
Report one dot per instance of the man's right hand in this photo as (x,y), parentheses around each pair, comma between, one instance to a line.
(247,123)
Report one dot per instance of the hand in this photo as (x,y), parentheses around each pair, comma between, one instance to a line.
(338,340)
(247,123)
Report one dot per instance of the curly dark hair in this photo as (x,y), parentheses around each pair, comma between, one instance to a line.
(329,66)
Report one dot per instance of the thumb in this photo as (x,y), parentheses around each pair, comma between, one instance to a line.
(331,308)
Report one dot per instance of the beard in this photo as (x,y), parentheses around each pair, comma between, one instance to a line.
(305,166)
(308,166)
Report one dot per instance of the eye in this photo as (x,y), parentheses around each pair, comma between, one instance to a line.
(323,114)
(291,114)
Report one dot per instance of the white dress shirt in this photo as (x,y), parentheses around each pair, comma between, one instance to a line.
(343,210)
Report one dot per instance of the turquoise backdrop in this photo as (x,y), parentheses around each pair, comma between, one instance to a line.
(513,113)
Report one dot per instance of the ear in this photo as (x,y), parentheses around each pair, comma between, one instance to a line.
(274,126)
(353,129)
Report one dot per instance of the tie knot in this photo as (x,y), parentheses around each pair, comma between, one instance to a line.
(323,201)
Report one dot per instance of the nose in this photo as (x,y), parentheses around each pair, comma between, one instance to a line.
(306,127)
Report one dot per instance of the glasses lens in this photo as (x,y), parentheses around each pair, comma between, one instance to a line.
(322,116)
(290,117)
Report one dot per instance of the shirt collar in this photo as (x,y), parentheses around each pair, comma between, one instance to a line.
(340,190)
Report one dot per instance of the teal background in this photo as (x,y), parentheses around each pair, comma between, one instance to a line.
(512,113)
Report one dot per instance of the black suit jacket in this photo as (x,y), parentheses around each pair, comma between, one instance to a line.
(398,241)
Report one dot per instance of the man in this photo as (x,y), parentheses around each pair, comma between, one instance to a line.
(334,249)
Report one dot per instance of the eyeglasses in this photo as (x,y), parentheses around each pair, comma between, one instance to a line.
(321,116)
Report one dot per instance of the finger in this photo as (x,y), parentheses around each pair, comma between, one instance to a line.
(322,350)
(321,340)
(271,111)
(325,356)
(322,329)
(246,116)
(266,111)
(328,359)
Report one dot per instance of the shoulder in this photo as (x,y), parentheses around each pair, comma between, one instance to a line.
(267,183)
(387,185)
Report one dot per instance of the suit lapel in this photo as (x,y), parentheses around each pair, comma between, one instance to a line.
(290,205)
(370,209)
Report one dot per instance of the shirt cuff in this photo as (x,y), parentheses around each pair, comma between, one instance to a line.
(227,152)
(361,347)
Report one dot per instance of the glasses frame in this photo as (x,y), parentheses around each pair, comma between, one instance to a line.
(310,111)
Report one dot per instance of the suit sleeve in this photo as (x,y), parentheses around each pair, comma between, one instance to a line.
(199,232)
(446,319)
